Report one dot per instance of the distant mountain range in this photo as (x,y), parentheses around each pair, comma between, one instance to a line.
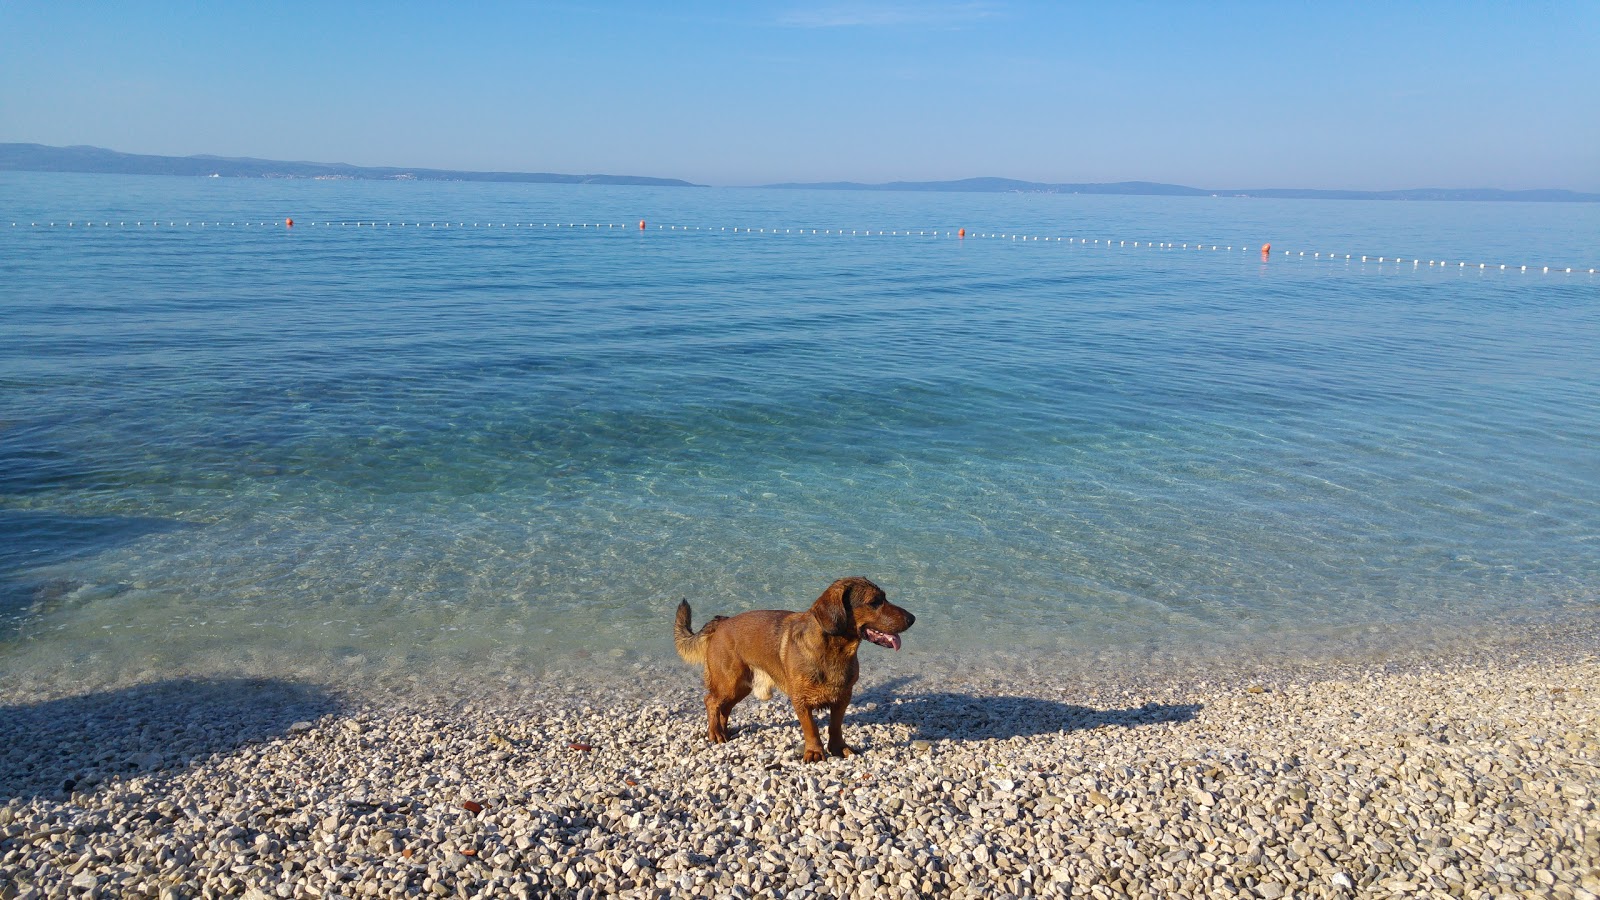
(39,158)
(1150,188)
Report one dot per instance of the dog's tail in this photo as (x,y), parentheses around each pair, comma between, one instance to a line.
(691,646)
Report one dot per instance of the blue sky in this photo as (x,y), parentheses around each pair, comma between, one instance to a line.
(1213,95)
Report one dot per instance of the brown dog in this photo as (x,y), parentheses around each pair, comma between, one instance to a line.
(811,656)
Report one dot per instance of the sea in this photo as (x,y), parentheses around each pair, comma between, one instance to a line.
(440,431)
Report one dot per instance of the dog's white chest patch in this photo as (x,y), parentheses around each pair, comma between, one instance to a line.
(762,684)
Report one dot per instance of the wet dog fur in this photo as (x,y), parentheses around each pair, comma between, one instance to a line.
(809,655)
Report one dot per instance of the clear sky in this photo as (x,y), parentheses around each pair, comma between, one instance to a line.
(1213,95)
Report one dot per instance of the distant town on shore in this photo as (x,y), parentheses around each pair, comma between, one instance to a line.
(16,157)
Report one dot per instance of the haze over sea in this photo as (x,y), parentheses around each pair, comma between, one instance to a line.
(510,447)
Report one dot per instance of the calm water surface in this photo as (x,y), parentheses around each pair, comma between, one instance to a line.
(477,449)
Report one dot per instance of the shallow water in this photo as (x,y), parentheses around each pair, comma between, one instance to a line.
(516,446)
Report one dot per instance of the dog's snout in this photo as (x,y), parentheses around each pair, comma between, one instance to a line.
(910,620)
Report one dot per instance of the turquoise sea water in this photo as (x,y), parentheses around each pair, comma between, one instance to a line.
(506,445)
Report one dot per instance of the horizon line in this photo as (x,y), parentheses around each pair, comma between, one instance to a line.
(994,183)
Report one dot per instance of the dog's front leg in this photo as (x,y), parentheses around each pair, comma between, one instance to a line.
(808,727)
(836,744)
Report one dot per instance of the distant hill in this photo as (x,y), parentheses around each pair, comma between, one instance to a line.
(1006,185)
(40,158)
(1150,188)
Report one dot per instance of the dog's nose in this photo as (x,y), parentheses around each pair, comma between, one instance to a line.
(910,620)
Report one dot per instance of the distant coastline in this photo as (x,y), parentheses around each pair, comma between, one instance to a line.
(97,160)
(1155,189)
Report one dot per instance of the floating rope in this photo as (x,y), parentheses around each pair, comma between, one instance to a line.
(1266,251)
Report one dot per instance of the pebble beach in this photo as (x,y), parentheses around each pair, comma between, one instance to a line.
(1471,776)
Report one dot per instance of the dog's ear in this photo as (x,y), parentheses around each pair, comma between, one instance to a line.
(832,610)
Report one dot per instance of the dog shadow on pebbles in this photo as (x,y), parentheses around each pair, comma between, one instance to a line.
(55,747)
(941,715)
(889,713)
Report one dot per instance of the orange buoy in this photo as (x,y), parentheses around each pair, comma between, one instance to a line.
(288,223)
(641,224)
(961,233)
(1266,250)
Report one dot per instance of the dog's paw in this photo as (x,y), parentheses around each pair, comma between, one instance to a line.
(814,755)
(842,750)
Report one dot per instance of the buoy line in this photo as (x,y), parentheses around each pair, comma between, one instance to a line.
(1267,251)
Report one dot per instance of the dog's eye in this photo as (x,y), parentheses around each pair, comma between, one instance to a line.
(875,601)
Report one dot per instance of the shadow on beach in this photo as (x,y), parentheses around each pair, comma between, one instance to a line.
(55,747)
(940,715)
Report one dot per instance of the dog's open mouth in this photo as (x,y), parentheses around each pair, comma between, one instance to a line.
(882,639)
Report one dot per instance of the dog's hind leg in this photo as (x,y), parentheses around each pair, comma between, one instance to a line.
(725,687)
(717,710)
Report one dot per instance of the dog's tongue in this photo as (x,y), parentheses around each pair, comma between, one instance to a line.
(892,641)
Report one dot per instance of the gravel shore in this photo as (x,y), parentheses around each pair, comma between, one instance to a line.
(1468,778)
